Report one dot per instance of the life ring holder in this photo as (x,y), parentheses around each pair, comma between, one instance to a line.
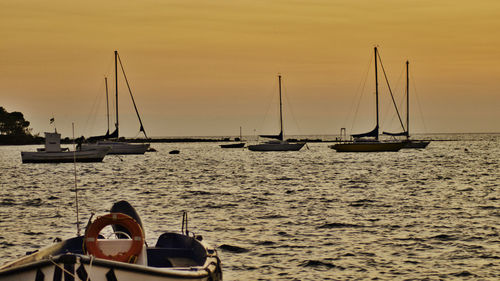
(129,223)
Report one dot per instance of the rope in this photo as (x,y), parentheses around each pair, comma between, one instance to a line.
(131,96)
(390,91)
(90,267)
(359,91)
(418,102)
(289,108)
(62,268)
(402,98)
(268,109)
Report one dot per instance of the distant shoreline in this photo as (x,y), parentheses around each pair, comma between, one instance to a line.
(67,140)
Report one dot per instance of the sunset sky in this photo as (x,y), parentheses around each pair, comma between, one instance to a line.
(205,68)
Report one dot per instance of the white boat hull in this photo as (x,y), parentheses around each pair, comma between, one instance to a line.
(93,155)
(119,147)
(79,267)
(278,146)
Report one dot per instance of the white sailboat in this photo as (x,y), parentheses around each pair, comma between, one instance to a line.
(53,153)
(280,144)
(117,147)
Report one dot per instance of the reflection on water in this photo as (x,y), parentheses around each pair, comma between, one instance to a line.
(308,215)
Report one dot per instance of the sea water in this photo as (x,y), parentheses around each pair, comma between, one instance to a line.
(310,215)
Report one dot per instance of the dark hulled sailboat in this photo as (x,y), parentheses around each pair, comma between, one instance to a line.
(369,142)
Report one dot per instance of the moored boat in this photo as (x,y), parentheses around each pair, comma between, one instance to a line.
(277,146)
(281,144)
(370,142)
(233,145)
(53,153)
(411,143)
(175,256)
(116,147)
(109,140)
(365,146)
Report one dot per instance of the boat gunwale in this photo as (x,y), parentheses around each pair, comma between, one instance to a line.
(180,272)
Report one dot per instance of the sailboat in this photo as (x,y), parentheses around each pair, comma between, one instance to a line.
(280,144)
(117,147)
(234,145)
(369,142)
(410,143)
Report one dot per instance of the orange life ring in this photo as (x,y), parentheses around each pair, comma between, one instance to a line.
(115,218)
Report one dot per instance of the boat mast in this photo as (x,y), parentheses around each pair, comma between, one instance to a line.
(407,102)
(376,90)
(107,100)
(116,90)
(281,109)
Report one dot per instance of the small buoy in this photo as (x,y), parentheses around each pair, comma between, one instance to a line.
(174,151)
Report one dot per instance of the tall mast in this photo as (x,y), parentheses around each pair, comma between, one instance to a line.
(107,100)
(116,89)
(376,90)
(407,102)
(281,109)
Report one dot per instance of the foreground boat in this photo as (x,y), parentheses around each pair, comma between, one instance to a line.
(53,153)
(281,144)
(369,142)
(175,256)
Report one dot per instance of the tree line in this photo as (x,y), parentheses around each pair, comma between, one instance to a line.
(14,129)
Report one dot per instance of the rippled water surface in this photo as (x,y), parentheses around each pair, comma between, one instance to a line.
(308,215)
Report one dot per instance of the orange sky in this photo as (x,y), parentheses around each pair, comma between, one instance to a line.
(208,67)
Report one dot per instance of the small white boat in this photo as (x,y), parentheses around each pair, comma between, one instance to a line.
(175,256)
(280,144)
(116,147)
(53,153)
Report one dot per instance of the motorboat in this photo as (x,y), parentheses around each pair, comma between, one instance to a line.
(127,257)
(53,153)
